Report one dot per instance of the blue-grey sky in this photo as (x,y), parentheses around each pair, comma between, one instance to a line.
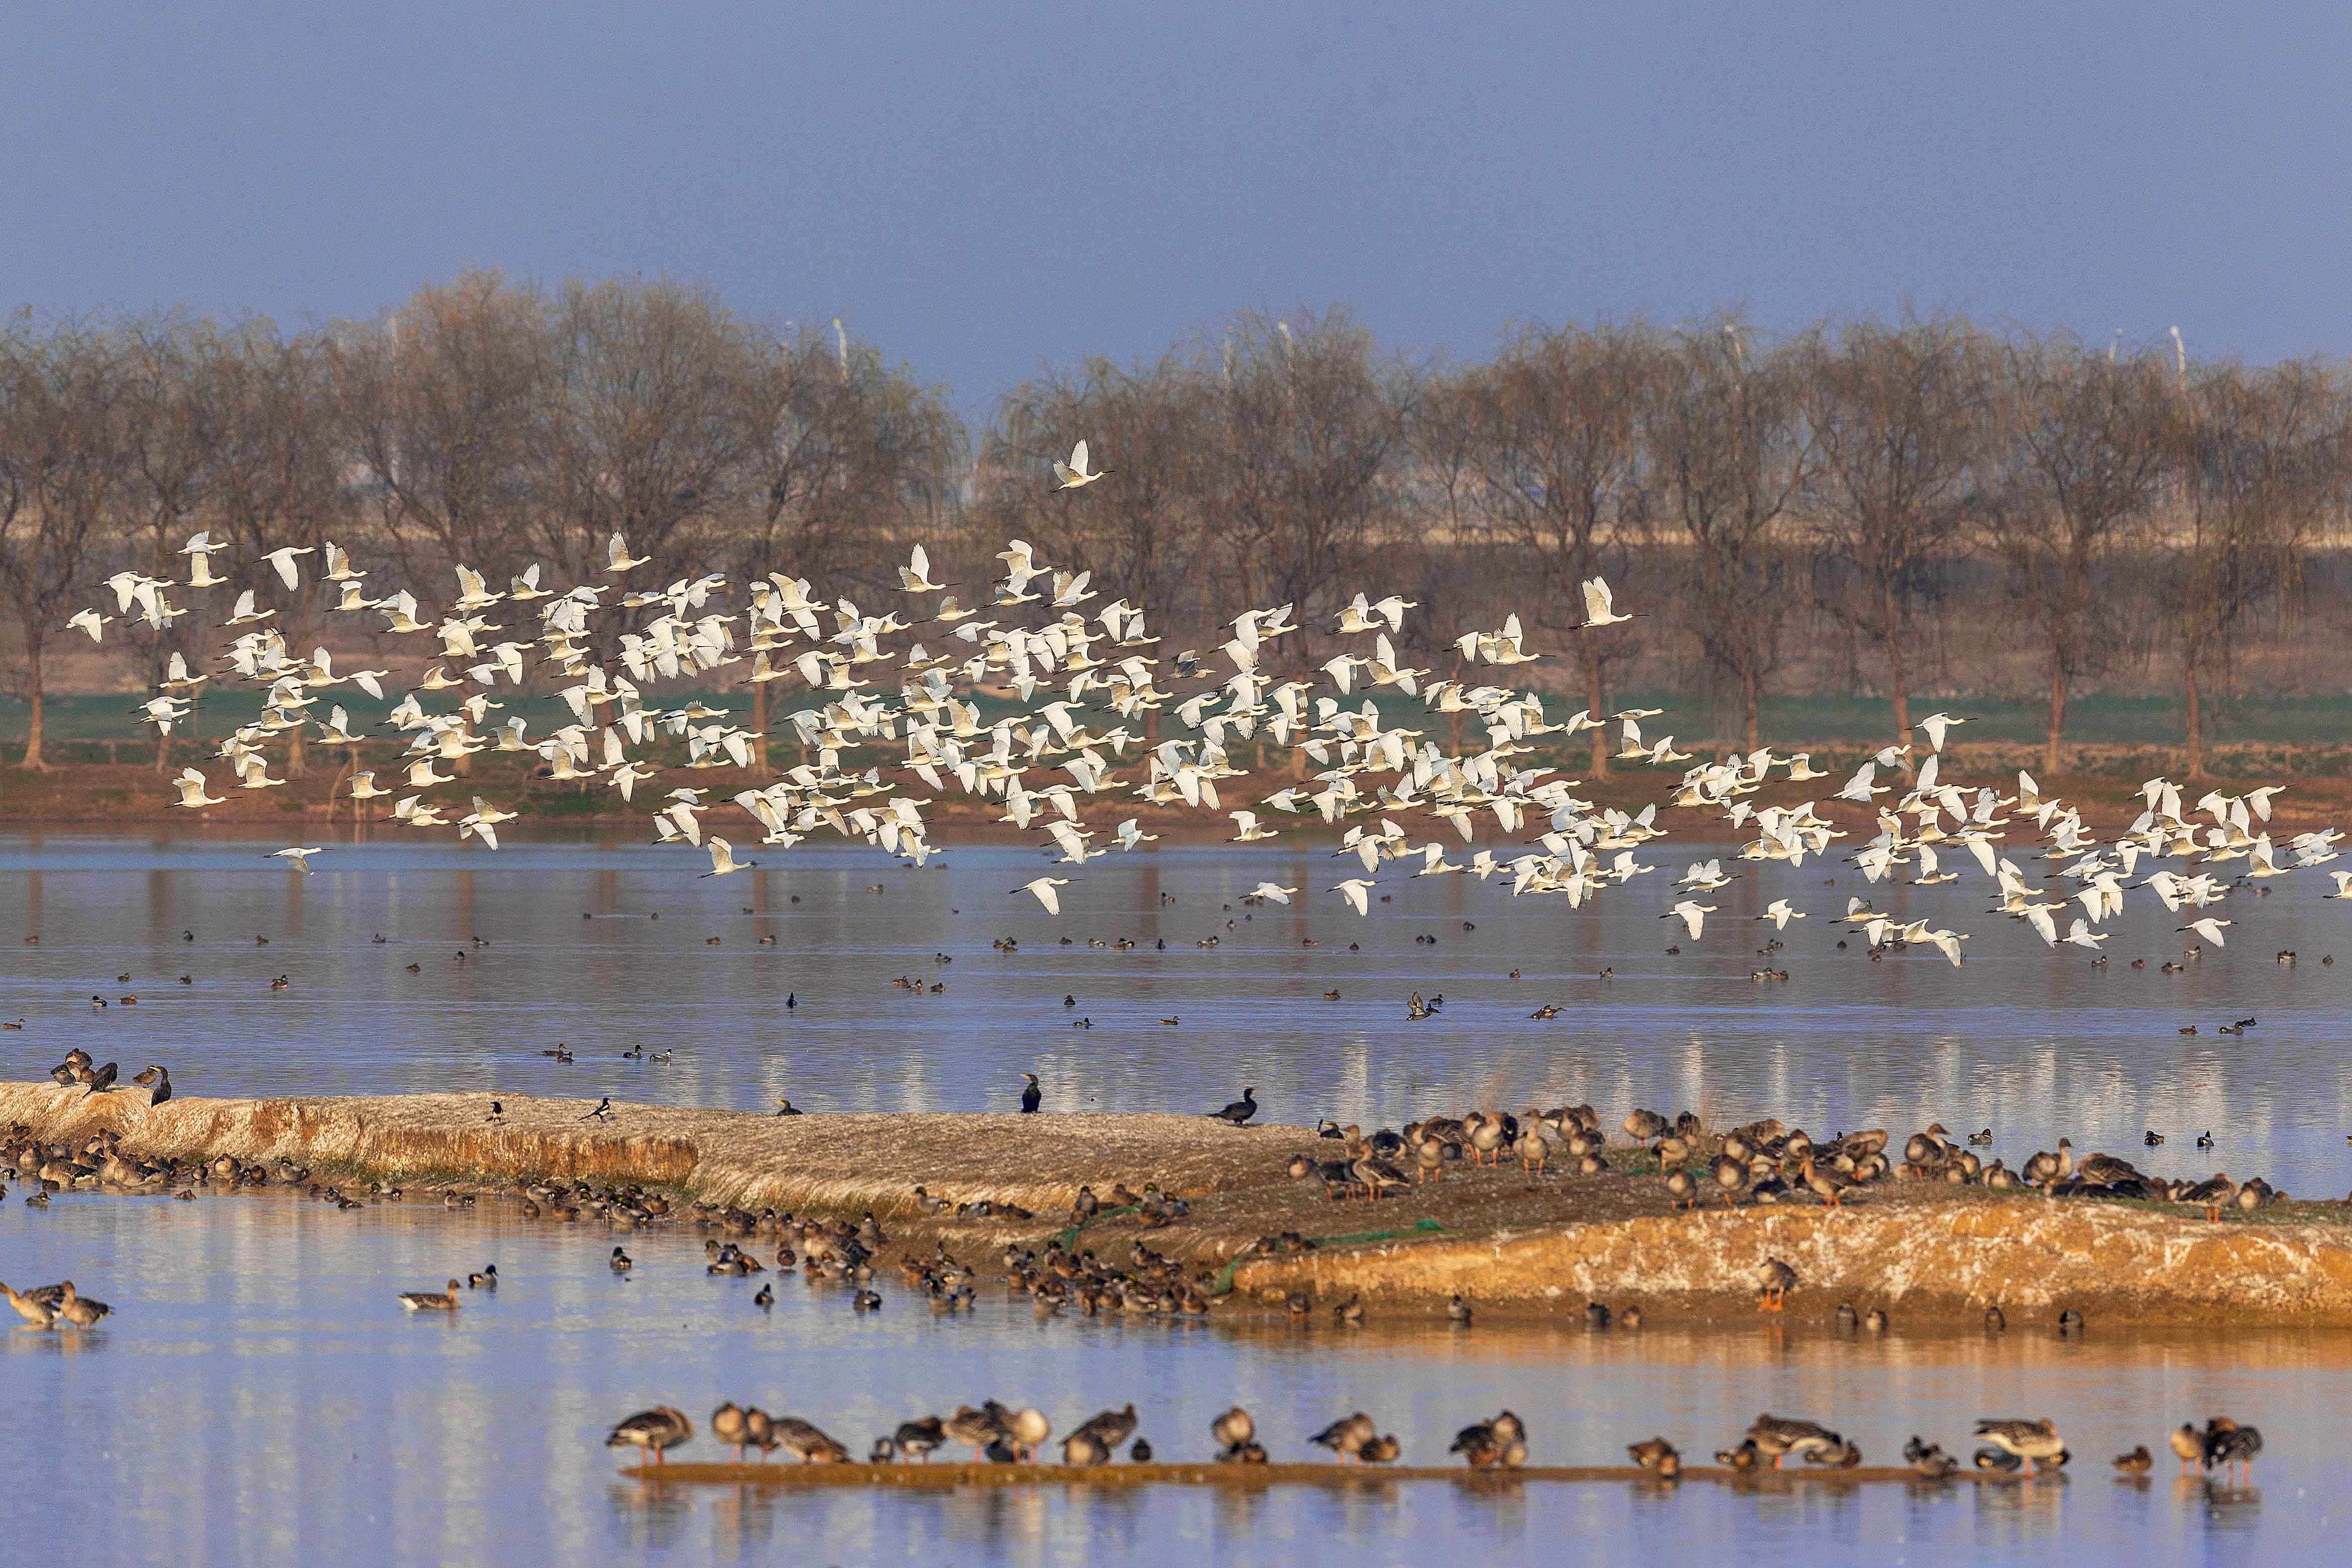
(981,188)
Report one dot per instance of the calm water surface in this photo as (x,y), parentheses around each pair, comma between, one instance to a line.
(259,1397)
(2030,1042)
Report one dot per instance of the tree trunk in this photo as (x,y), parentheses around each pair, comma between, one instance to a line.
(1596,703)
(2057,715)
(34,717)
(2195,719)
(1751,704)
(1895,672)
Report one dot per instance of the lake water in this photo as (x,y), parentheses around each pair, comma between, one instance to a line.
(2030,1042)
(259,1396)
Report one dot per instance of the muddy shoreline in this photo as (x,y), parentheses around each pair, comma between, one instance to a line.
(1512,1243)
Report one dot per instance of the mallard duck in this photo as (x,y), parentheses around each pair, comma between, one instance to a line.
(1730,1177)
(1776,1279)
(760,1431)
(620,1262)
(1650,1454)
(1778,1437)
(727,1426)
(432,1301)
(1996,1459)
(1083,1447)
(1741,1459)
(1995,1320)
(1351,1311)
(1347,1436)
(1025,1429)
(2136,1463)
(1232,1431)
(2029,1440)
(920,1438)
(805,1443)
(488,1280)
(1458,1310)
(657,1431)
(975,1429)
(1875,1320)
(1381,1450)
(1596,1316)
(2227,1443)
(1928,1459)
(1848,1320)
(2070,1324)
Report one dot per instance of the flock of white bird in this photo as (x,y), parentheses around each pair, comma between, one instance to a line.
(1046,763)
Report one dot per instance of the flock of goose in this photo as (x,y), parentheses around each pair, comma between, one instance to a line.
(996,1435)
(901,689)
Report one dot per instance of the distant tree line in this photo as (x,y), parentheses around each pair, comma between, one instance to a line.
(1893,509)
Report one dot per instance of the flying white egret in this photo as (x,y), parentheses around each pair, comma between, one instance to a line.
(1937,724)
(191,791)
(1282,894)
(1692,915)
(283,557)
(1071,475)
(2080,934)
(722,859)
(298,855)
(1599,606)
(617,558)
(89,621)
(2209,928)
(1778,912)
(1357,892)
(1247,821)
(1042,889)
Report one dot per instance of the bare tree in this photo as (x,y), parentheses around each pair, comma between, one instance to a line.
(1140,535)
(1730,448)
(2262,457)
(61,465)
(1896,416)
(1552,465)
(1307,419)
(2084,464)
(443,405)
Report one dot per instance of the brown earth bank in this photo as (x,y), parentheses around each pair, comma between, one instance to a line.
(1508,1241)
(2102,785)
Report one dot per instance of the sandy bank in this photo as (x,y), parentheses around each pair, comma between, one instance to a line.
(1508,1242)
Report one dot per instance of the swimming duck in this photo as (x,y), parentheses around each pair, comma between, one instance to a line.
(2070,1324)
(656,1431)
(620,1262)
(488,1280)
(1778,1437)
(1458,1310)
(2029,1440)
(1995,1320)
(1875,1320)
(432,1301)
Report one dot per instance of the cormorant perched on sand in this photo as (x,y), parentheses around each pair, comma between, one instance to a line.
(1031,1096)
(1240,1111)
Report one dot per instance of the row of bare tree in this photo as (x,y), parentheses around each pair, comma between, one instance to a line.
(1893,508)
